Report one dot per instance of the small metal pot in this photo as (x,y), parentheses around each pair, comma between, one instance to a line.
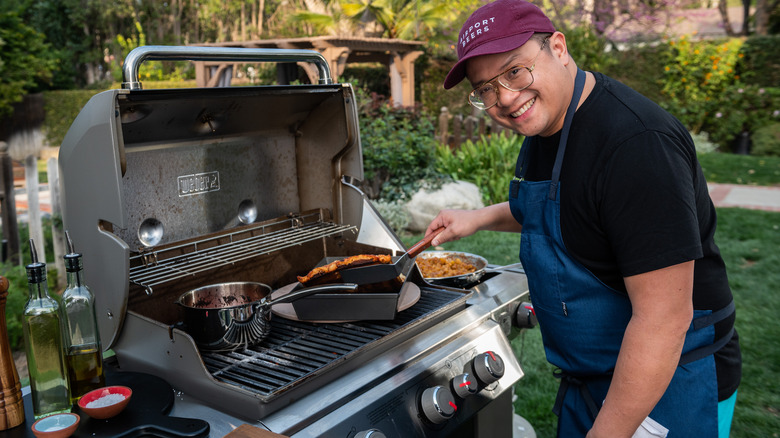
(228,316)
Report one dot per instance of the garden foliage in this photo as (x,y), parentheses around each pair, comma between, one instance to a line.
(398,150)
(701,86)
(24,64)
(489,163)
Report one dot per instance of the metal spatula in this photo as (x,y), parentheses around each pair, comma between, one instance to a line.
(387,271)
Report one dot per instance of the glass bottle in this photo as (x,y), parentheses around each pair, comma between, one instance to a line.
(43,340)
(83,353)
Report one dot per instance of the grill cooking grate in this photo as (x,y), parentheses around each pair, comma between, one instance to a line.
(153,268)
(296,350)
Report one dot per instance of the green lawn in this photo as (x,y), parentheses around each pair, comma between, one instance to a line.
(749,241)
(740,169)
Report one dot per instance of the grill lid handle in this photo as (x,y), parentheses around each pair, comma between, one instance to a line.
(226,54)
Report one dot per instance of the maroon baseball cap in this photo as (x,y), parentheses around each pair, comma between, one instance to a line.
(497,27)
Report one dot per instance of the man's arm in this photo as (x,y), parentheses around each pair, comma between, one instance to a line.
(662,313)
(462,223)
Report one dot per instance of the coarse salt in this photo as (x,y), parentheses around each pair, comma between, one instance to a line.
(106,400)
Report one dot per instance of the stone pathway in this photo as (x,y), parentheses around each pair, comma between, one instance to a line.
(752,197)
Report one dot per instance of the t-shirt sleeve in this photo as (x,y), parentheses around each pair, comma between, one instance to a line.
(648,204)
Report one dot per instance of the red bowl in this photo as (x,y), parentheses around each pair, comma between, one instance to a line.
(105,402)
(56,426)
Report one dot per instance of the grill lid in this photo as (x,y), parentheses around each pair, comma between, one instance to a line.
(170,167)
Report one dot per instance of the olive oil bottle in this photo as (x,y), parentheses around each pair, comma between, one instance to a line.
(43,340)
(83,352)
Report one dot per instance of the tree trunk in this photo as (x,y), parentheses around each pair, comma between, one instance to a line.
(745,18)
(178,8)
(196,36)
(261,8)
(724,14)
(242,22)
(763,10)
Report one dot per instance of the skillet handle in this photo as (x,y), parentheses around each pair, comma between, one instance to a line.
(305,292)
(423,244)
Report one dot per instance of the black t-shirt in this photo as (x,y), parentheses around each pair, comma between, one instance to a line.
(634,199)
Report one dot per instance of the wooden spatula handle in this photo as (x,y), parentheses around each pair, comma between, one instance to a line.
(423,244)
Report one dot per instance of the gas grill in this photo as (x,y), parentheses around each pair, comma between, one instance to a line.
(165,191)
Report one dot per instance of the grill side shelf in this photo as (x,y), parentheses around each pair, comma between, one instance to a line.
(156,267)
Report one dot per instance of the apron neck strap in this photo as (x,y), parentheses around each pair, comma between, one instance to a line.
(579,85)
(520,167)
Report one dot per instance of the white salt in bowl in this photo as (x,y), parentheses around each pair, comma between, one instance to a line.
(105,402)
(56,426)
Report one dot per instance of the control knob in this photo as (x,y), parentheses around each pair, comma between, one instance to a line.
(438,404)
(525,316)
(488,367)
(463,385)
(371,433)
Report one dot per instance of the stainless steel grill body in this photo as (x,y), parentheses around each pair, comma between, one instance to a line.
(168,190)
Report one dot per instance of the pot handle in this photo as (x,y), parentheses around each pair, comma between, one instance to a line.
(305,292)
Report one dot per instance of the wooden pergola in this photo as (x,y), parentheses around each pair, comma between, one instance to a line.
(397,55)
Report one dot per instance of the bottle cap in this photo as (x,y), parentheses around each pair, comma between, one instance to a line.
(72,259)
(36,271)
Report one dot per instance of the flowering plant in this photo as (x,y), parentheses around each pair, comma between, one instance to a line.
(704,90)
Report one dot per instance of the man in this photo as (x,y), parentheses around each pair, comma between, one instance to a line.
(617,236)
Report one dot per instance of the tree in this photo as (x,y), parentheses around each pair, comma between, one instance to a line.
(24,64)
(405,19)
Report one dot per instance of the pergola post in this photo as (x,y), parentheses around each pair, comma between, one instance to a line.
(397,55)
(402,77)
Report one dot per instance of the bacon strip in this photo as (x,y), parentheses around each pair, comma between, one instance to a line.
(330,272)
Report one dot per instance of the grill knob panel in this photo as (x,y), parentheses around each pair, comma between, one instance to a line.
(489,367)
(464,385)
(438,404)
(371,433)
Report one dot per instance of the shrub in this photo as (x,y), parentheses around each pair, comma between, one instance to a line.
(742,108)
(641,69)
(489,163)
(766,140)
(14,307)
(398,150)
(61,109)
(702,88)
(703,144)
(589,50)
(696,76)
(759,66)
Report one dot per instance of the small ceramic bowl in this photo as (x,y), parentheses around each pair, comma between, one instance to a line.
(105,402)
(56,426)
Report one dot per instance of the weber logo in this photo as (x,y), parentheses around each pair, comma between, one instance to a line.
(198,183)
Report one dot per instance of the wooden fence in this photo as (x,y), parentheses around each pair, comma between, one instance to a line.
(454,130)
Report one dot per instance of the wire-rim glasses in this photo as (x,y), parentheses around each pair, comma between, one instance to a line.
(516,78)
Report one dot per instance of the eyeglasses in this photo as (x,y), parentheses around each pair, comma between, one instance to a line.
(515,78)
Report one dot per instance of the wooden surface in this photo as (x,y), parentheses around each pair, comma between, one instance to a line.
(249,431)
(11,401)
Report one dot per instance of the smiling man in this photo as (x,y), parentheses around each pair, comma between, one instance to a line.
(617,241)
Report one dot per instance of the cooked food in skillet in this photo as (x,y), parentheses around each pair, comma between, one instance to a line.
(330,272)
(437,267)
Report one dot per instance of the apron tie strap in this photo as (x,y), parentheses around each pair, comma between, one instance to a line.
(706,321)
(567,380)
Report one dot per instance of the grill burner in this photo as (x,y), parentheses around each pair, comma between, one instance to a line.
(295,351)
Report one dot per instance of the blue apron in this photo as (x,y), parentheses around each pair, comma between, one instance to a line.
(582,320)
